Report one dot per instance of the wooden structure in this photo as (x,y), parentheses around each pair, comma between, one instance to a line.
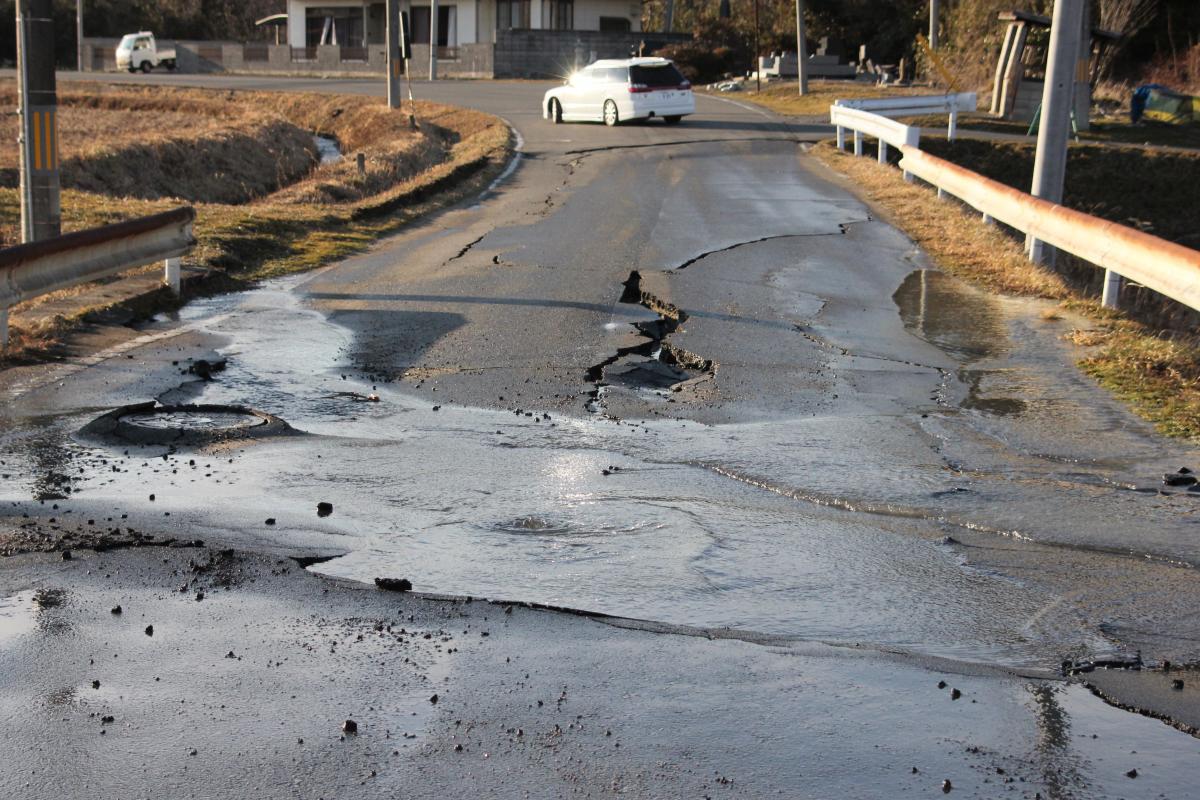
(1021,68)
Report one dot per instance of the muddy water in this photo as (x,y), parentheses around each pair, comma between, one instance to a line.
(825,528)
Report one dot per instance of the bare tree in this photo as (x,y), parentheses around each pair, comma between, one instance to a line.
(1125,17)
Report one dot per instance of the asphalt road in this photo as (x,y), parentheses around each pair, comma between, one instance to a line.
(679,375)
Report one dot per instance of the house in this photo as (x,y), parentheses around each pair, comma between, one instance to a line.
(475,39)
(354,23)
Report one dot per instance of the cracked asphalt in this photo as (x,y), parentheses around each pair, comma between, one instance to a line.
(767,506)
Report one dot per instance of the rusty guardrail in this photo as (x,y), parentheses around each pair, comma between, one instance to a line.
(1123,252)
(36,268)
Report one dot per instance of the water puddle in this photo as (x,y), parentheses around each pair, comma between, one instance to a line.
(961,321)
(328,148)
(17,615)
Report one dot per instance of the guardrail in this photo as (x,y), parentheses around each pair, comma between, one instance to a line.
(1123,252)
(861,122)
(34,269)
(913,105)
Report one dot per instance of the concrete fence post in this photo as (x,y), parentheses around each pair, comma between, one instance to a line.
(988,220)
(171,277)
(858,139)
(3,328)
(882,151)
(1112,289)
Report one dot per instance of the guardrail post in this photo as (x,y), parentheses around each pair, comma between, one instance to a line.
(1112,289)
(3,328)
(908,176)
(858,143)
(171,277)
(882,151)
(952,127)
(941,193)
(988,220)
(841,138)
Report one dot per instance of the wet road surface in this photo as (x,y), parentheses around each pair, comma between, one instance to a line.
(678,375)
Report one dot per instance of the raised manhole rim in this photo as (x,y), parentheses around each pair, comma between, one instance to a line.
(114,426)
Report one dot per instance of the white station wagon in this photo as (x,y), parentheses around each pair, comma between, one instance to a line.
(617,90)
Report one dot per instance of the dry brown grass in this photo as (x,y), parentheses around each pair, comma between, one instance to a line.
(332,212)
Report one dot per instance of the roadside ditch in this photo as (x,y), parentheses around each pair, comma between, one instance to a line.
(267,202)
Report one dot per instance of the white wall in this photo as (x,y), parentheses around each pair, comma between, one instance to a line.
(589,12)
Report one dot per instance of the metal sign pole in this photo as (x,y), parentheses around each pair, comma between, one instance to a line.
(41,215)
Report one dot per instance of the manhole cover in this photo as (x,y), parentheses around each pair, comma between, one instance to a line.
(149,423)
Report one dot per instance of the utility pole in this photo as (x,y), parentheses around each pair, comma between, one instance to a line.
(433,37)
(1050,162)
(41,215)
(79,35)
(669,16)
(393,35)
(757,52)
(801,49)
(935,8)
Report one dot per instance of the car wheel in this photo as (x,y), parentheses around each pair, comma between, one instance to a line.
(133,70)
(555,112)
(673,119)
(610,113)
(146,67)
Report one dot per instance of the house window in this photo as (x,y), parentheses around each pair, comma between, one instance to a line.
(447,25)
(342,26)
(558,15)
(512,14)
(614,25)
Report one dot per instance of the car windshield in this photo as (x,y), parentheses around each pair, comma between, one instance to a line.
(656,75)
(126,43)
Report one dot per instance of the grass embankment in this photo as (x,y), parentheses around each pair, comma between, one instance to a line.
(247,162)
(1148,355)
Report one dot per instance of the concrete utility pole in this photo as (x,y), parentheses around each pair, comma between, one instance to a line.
(1050,163)
(393,35)
(935,12)
(669,16)
(433,37)
(41,215)
(801,49)
(757,52)
(79,35)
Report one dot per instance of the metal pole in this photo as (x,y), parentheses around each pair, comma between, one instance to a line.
(1050,161)
(41,215)
(433,37)
(934,15)
(393,34)
(79,35)
(1112,289)
(757,51)
(801,49)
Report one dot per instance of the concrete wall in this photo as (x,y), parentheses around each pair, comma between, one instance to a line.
(553,54)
